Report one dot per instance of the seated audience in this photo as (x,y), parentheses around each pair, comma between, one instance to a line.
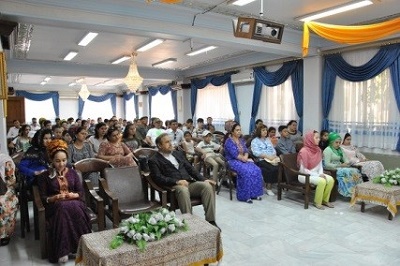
(57,131)
(8,199)
(13,131)
(272,136)
(141,128)
(334,158)
(197,133)
(309,161)
(154,132)
(294,134)
(323,142)
(175,133)
(266,157)
(259,123)
(99,136)
(369,168)
(188,126)
(209,123)
(66,137)
(188,147)
(130,139)
(249,182)
(210,153)
(114,151)
(34,162)
(23,141)
(62,193)
(169,168)
(285,144)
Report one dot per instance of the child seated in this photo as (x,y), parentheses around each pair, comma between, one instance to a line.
(208,150)
(188,146)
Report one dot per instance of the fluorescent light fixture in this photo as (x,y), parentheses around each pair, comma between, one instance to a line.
(241,2)
(336,10)
(72,84)
(88,38)
(70,56)
(165,62)
(43,83)
(150,45)
(120,60)
(202,50)
(47,79)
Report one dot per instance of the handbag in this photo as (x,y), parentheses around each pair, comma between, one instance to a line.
(274,161)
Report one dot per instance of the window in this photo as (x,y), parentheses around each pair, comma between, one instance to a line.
(214,101)
(161,107)
(39,109)
(97,109)
(277,105)
(367,109)
(130,109)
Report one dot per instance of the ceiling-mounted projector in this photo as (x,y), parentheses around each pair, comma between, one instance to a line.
(258,29)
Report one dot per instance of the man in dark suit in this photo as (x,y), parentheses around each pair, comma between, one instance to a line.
(169,168)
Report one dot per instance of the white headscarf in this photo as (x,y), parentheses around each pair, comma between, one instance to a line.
(4,158)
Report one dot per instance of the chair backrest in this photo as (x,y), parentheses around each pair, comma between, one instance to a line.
(90,165)
(143,155)
(126,184)
(290,165)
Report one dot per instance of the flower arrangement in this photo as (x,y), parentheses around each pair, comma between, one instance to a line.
(388,178)
(146,227)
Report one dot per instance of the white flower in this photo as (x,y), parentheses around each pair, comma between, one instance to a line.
(383,180)
(163,230)
(158,216)
(131,234)
(146,237)
(152,220)
(167,218)
(171,227)
(124,229)
(152,237)
(132,220)
(164,211)
(138,236)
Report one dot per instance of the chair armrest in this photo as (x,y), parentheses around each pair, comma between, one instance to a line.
(37,200)
(283,167)
(154,187)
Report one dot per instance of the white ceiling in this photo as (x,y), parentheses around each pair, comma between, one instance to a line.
(123,25)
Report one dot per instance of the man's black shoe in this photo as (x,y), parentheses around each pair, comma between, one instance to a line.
(215,224)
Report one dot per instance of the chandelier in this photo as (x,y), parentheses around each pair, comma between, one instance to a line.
(133,80)
(84,93)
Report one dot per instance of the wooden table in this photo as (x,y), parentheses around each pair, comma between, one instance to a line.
(201,244)
(377,194)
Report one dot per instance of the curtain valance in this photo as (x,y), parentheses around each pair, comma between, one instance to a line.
(42,97)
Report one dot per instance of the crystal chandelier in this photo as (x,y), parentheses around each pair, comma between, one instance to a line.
(84,93)
(133,80)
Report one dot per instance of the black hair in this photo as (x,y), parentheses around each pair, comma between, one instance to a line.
(259,129)
(97,128)
(291,122)
(282,127)
(159,138)
(200,120)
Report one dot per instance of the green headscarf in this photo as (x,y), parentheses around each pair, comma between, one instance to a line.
(332,137)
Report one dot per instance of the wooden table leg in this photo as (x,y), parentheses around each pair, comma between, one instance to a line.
(362,206)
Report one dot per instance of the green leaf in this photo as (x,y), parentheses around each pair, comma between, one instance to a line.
(141,244)
(117,241)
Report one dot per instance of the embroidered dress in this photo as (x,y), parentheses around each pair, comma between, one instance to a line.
(67,219)
(8,197)
(118,151)
(249,182)
(369,168)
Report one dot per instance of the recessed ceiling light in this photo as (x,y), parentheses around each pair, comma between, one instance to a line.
(70,56)
(165,62)
(150,45)
(335,10)
(120,60)
(88,38)
(47,79)
(201,50)
(241,2)
(43,83)
(72,84)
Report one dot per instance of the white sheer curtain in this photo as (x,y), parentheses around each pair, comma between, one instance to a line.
(277,105)
(214,101)
(161,107)
(39,109)
(94,109)
(367,110)
(130,109)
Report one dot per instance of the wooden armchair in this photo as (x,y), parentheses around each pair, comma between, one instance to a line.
(288,178)
(142,155)
(125,192)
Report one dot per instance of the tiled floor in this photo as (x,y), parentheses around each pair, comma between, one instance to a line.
(271,232)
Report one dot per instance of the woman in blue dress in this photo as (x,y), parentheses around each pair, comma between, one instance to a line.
(334,158)
(249,182)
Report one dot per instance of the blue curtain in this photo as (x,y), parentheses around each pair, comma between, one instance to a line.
(262,76)
(198,84)
(335,65)
(127,97)
(109,96)
(164,90)
(42,97)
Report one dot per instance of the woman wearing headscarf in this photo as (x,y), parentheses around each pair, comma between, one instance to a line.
(8,199)
(335,159)
(61,191)
(369,168)
(309,160)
